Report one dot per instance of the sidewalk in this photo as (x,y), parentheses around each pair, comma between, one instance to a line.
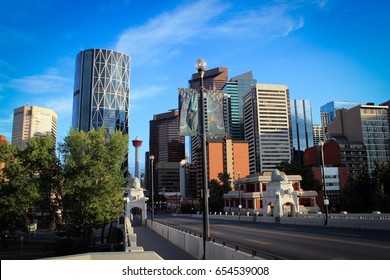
(152,241)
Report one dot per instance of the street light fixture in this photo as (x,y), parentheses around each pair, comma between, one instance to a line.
(200,65)
(152,184)
(326,200)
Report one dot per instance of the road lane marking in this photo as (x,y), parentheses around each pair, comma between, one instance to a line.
(385,246)
(258,241)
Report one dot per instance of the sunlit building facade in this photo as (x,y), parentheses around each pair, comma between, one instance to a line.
(328,111)
(32,121)
(318,134)
(267,126)
(366,124)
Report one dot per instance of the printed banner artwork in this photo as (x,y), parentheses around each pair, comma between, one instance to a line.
(188,108)
(215,120)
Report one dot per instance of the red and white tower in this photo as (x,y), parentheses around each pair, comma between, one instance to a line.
(137,143)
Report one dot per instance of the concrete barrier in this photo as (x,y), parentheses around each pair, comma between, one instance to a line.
(375,220)
(194,244)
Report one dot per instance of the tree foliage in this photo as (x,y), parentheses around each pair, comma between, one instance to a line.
(93,180)
(365,192)
(86,188)
(18,190)
(217,190)
(296,168)
(45,170)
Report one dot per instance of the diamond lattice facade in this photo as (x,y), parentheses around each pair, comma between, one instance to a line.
(101,91)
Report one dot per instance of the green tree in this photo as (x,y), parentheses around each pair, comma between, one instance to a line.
(92,192)
(18,191)
(44,168)
(217,190)
(381,185)
(294,167)
(358,193)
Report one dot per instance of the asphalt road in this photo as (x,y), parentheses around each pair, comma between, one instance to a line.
(291,241)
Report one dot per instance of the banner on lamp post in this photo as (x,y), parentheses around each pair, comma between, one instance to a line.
(215,119)
(188,110)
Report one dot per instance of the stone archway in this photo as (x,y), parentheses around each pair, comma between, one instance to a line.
(136,200)
(270,209)
(288,209)
(137,216)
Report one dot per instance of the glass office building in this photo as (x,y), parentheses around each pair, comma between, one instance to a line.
(237,88)
(301,126)
(101,91)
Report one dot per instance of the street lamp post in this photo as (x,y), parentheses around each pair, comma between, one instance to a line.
(152,184)
(200,65)
(326,200)
(239,196)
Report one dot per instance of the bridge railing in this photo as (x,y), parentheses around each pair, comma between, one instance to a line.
(373,221)
(217,249)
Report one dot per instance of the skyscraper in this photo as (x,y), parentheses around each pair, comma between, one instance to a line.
(318,134)
(213,79)
(31,121)
(167,147)
(101,91)
(387,103)
(237,88)
(301,127)
(165,144)
(367,124)
(267,126)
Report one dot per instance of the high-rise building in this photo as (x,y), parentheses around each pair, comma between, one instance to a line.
(318,134)
(165,143)
(328,111)
(213,79)
(237,88)
(387,103)
(101,91)
(31,121)
(267,126)
(367,124)
(167,146)
(301,127)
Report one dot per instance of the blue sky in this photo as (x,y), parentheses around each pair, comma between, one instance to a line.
(323,50)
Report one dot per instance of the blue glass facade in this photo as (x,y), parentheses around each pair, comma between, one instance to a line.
(328,111)
(101,91)
(237,88)
(301,125)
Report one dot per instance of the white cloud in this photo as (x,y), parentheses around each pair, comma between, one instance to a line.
(62,106)
(49,82)
(199,21)
(162,34)
(10,35)
(146,93)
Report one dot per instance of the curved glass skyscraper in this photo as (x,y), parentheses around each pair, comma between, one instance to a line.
(101,91)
